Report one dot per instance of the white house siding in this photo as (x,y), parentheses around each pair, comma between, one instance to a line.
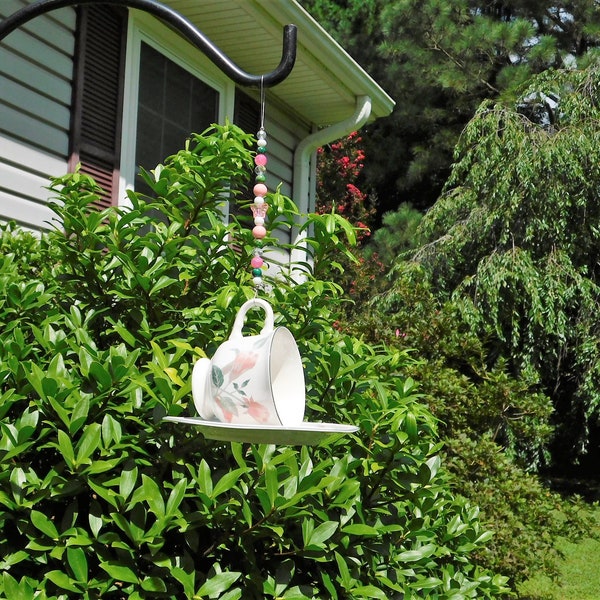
(36,69)
(36,72)
(283,135)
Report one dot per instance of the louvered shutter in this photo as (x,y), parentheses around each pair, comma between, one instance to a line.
(98,97)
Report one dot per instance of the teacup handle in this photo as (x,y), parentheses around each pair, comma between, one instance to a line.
(236,332)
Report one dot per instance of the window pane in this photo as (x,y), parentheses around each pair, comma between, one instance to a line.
(172,104)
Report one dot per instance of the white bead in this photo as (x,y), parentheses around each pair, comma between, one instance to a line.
(257,280)
(261,142)
(259,221)
(259,200)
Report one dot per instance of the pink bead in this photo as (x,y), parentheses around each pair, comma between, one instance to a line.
(257,262)
(260,189)
(260,160)
(259,232)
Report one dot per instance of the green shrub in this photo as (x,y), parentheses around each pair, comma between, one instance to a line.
(99,497)
(495,426)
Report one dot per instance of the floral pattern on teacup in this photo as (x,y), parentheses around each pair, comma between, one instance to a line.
(230,384)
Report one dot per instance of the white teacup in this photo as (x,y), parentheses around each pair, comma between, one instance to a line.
(252,380)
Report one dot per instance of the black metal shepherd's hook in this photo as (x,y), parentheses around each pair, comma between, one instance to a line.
(183,26)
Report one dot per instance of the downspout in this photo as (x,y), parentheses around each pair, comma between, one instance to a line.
(303,182)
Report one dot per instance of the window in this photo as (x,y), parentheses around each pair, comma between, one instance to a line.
(171,90)
(136,100)
(172,103)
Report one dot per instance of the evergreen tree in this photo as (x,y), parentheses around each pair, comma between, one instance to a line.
(439,59)
(515,240)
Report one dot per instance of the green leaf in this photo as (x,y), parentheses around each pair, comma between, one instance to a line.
(360,529)
(415,555)
(66,448)
(63,414)
(89,442)
(153,496)
(186,579)
(127,481)
(101,375)
(15,558)
(102,466)
(62,580)
(205,478)
(95,517)
(369,591)
(218,584)
(14,590)
(79,415)
(154,584)
(106,493)
(226,482)
(271,482)
(410,425)
(159,355)
(434,463)
(125,335)
(78,563)
(347,579)
(44,524)
(329,586)
(175,497)
(111,430)
(163,282)
(27,424)
(119,572)
(321,533)
(486,536)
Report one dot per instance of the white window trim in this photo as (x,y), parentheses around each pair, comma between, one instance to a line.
(145,28)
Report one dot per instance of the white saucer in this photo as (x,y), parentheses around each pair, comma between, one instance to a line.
(306,434)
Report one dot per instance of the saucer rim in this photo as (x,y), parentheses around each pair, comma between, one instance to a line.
(308,433)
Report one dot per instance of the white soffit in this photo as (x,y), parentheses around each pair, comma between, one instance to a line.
(325,81)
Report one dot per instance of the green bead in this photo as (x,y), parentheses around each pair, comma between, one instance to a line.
(257,272)
(261,149)
(260,178)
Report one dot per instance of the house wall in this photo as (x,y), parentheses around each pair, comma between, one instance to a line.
(36,74)
(36,67)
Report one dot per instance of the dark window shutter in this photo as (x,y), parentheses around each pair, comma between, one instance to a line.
(98,97)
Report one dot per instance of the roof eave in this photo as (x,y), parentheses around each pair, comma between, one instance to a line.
(313,38)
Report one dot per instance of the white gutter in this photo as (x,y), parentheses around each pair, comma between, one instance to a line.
(304,184)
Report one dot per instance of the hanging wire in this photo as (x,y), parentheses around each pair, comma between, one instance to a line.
(263,94)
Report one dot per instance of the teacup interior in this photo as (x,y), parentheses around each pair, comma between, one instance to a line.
(287,378)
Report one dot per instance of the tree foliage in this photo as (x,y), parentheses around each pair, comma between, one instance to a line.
(439,59)
(102,321)
(396,235)
(515,238)
(495,426)
(339,167)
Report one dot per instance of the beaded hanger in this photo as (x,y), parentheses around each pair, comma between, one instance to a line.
(260,207)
